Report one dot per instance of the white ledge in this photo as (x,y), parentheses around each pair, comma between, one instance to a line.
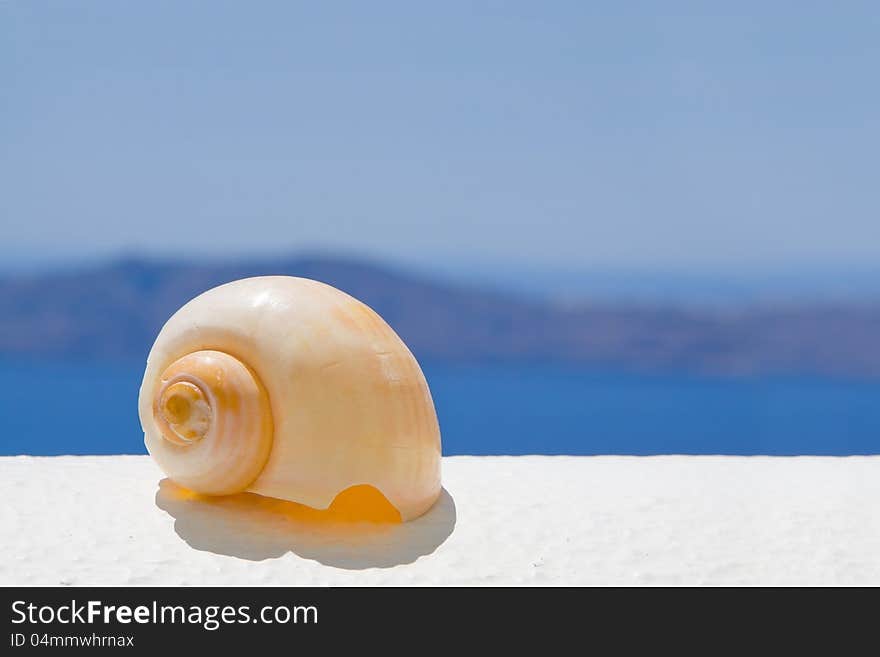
(536,520)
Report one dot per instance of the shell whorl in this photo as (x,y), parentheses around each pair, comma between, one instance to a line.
(215,415)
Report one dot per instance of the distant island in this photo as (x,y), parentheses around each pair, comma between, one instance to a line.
(114,312)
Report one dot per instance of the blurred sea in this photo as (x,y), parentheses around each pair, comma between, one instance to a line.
(64,408)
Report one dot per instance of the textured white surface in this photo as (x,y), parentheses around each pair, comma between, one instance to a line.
(505,520)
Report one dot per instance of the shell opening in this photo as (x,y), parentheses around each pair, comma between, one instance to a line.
(363,503)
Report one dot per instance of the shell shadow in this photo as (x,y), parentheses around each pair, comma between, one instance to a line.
(253,527)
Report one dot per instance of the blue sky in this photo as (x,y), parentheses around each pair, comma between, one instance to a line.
(570,135)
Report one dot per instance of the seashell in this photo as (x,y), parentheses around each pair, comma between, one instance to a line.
(291,389)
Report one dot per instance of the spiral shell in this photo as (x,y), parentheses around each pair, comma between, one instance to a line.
(290,388)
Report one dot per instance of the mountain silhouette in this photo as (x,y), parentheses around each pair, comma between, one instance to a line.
(114,312)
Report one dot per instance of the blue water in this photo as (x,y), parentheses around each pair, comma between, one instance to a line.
(91,409)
